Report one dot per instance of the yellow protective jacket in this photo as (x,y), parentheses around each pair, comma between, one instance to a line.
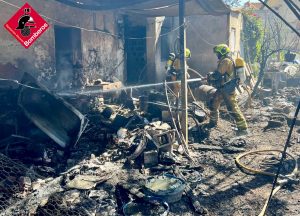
(173,64)
(226,68)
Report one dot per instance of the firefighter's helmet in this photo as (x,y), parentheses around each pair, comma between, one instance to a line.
(172,56)
(188,53)
(221,49)
(239,62)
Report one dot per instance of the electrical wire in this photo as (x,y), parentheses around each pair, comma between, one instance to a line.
(196,32)
(95,30)
(57,21)
(100,5)
(152,9)
(175,29)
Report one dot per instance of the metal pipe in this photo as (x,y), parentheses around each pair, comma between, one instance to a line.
(293,9)
(182,34)
(283,156)
(296,6)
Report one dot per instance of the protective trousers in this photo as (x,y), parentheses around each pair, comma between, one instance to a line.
(232,107)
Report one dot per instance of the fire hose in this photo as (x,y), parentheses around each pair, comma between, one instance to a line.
(284,180)
(256,171)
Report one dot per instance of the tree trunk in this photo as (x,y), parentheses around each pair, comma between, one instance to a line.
(262,70)
(260,78)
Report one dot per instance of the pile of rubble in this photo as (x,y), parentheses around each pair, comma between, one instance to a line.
(57,171)
(99,161)
(32,118)
(280,107)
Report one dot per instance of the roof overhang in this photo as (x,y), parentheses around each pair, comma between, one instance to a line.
(153,8)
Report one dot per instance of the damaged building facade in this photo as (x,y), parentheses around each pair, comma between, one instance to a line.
(126,43)
(225,27)
(87,45)
(87,127)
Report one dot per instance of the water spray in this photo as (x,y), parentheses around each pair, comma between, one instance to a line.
(100,91)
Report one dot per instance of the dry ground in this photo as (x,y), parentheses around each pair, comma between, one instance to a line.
(221,187)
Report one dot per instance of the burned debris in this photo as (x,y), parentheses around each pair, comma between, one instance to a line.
(34,119)
(47,130)
(119,158)
(114,111)
(40,115)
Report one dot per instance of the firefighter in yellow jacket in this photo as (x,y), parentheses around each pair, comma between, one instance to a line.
(225,79)
(174,70)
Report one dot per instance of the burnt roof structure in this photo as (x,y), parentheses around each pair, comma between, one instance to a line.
(153,8)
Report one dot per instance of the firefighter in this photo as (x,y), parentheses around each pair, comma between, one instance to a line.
(174,70)
(225,79)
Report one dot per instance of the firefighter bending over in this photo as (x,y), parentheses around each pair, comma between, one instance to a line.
(225,79)
(174,70)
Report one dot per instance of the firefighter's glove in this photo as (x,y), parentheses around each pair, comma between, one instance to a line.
(213,77)
(171,72)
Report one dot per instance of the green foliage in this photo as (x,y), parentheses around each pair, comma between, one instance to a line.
(252,35)
(255,69)
(282,53)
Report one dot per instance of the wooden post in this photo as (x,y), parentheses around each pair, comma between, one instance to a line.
(184,118)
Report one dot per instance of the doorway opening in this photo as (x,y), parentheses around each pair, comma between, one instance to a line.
(135,48)
(68,54)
